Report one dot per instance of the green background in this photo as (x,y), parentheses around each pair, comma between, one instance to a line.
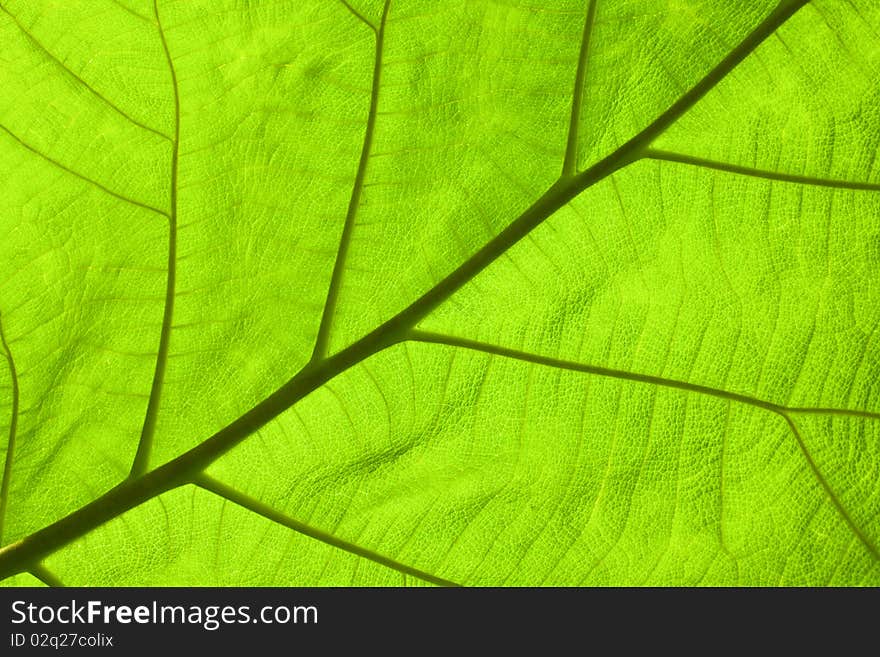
(407,292)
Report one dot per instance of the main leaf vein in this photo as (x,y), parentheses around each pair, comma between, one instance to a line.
(680,158)
(184,468)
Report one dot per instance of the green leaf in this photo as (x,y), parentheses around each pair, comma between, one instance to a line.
(405,292)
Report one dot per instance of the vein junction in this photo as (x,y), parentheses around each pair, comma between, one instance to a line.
(13,426)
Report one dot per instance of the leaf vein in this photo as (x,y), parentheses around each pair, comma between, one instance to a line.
(832,496)
(40,47)
(681,158)
(785,412)
(130,493)
(145,443)
(13,426)
(569,165)
(323,337)
(354,12)
(260,508)
(46,576)
(94,183)
(548,361)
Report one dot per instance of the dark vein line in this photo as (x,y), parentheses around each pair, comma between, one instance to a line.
(360,16)
(180,470)
(132,492)
(332,300)
(680,158)
(266,511)
(67,169)
(566,189)
(132,12)
(784,10)
(145,444)
(569,165)
(46,576)
(13,426)
(866,541)
(463,343)
(473,345)
(722,452)
(39,46)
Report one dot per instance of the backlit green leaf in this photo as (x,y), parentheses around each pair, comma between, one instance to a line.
(416,292)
